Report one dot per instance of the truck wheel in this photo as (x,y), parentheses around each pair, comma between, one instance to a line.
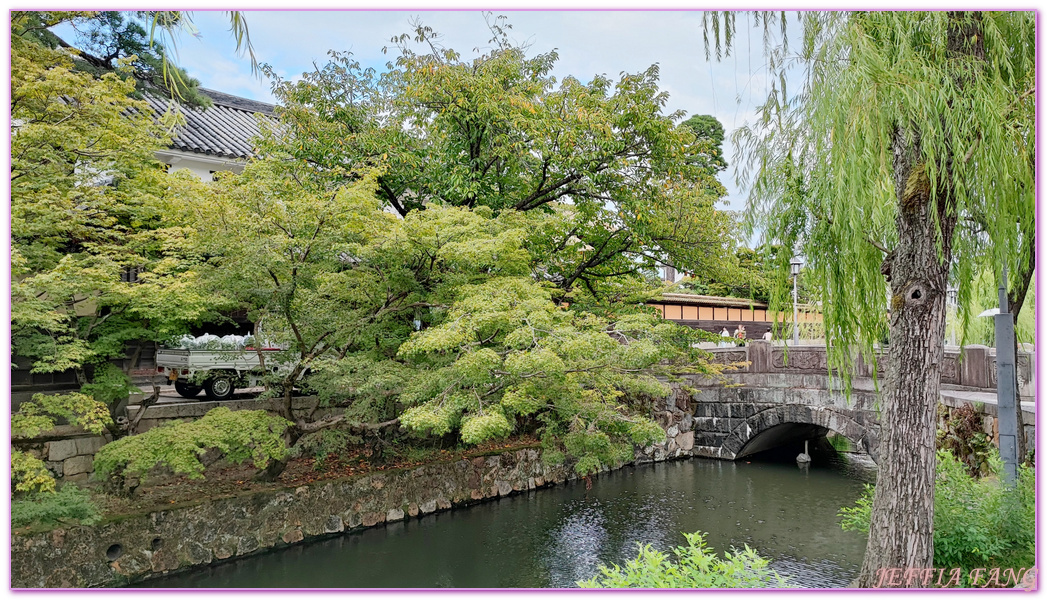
(219,387)
(186,390)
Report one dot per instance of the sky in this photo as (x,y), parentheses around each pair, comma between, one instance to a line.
(588,42)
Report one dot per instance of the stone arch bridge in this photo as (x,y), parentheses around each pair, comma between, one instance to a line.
(777,398)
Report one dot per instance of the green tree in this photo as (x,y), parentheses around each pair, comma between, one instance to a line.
(499,131)
(907,128)
(285,253)
(507,352)
(754,276)
(104,39)
(141,36)
(93,265)
(438,312)
(709,132)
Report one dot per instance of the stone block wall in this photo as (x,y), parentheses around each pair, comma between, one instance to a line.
(704,418)
(68,455)
(190,410)
(990,422)
(675,415)
(149,545)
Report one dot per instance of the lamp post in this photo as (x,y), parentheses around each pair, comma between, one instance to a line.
(795,264)
(951,303)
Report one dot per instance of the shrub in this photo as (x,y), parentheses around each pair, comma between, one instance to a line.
(30,474)
(977,522)
(324,443)
(69,503)
(696,566)
(240,435)
(960,432)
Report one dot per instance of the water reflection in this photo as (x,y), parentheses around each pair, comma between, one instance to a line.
(555,537)
(574,548)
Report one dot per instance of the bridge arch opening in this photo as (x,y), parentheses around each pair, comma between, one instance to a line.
(789,425)
(787,435)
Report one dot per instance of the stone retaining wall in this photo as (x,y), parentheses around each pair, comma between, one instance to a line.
(68,452)
(990,421)
(149,545)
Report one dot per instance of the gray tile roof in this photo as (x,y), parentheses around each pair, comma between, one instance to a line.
(225,129)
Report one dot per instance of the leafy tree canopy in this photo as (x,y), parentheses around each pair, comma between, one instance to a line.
(444,311)
(499,131)
(905,160)
(93,263)
(85,215)
(709,131)
(105,39)
(457,247)
(815,191)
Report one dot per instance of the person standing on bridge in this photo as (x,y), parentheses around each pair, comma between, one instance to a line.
(723,334)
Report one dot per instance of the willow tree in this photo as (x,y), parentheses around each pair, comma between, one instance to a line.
(906,155)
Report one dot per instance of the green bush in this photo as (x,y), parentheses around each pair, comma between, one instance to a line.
(324,443)
(240,435)
(977,522)
(696,566)
(69,503)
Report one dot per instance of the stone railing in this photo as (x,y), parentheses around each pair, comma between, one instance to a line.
(974,367)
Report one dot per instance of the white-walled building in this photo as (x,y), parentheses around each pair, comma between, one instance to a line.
(216,138)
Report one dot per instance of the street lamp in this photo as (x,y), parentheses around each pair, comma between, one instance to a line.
(951,303)
(795,264)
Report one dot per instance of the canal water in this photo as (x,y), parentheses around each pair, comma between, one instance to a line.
(557,536)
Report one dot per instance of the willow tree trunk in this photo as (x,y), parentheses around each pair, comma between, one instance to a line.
(901,530)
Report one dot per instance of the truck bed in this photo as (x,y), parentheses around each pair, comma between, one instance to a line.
(233,360)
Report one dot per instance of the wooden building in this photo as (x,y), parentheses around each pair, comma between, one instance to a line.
(714,313)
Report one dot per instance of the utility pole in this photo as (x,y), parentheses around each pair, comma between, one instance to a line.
(1006,394)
